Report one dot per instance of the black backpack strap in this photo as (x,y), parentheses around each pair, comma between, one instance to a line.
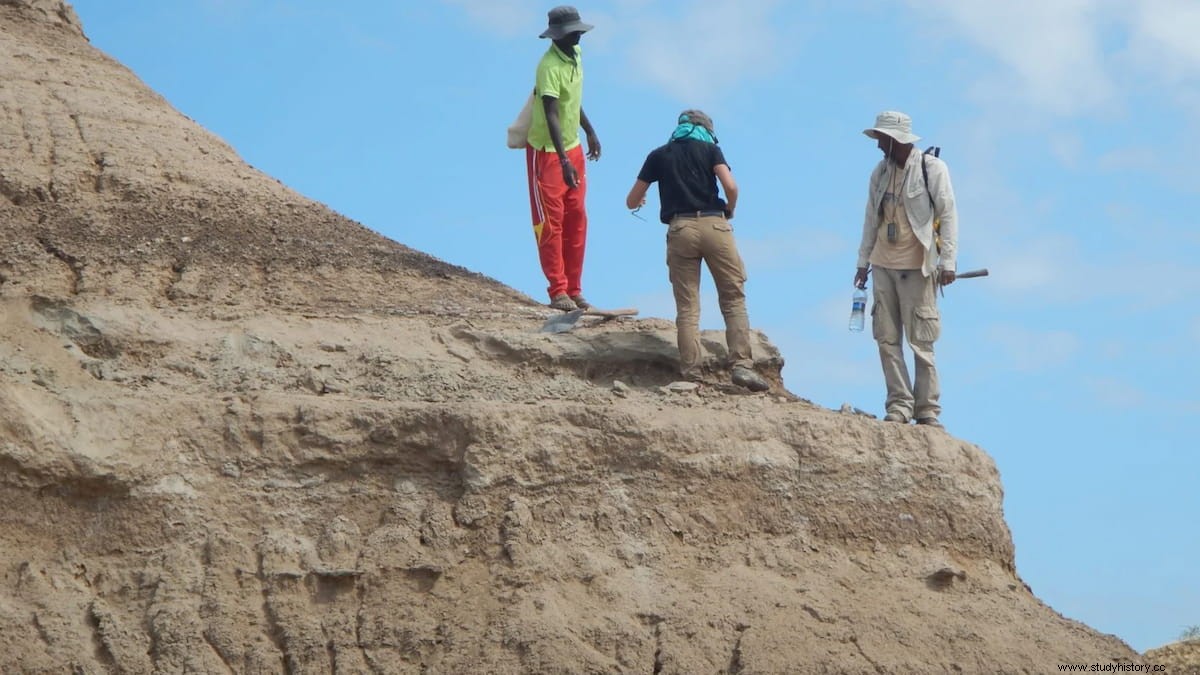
(936,152)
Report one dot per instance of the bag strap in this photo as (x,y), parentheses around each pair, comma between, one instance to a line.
(937,237)
(936,152)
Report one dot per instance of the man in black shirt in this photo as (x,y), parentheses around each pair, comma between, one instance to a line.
(687,169)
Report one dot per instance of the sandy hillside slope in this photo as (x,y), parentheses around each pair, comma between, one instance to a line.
(241,433)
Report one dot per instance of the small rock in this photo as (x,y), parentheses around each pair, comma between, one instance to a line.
(620,388)
(682,387)
(231,470)
(848,409)
(330,347)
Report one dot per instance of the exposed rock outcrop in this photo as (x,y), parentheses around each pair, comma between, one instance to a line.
(240,433)
(1177,657)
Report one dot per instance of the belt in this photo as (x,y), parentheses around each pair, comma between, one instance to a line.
(698,214)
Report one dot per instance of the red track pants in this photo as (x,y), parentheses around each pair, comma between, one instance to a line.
(559,219)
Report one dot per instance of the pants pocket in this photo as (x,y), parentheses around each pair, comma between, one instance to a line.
(723,226)
(927,324)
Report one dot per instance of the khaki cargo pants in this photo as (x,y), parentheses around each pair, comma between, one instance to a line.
(690,240)
(906,305)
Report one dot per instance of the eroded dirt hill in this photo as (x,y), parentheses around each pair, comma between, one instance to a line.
(240,433)
(1180,658)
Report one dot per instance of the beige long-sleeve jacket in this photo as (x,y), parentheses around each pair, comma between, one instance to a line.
(921,213)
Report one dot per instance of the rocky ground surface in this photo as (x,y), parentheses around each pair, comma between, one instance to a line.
(240,433)
(1178,658)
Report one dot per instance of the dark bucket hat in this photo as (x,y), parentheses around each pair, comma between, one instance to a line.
(564,20)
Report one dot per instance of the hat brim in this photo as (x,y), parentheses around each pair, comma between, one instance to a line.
(898,136)
(556,32)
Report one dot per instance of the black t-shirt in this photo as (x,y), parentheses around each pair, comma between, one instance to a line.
(686,181)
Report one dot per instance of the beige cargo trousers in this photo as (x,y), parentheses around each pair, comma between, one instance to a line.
(707,238)
(906,305)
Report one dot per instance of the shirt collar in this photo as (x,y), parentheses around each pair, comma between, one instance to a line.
(563,55)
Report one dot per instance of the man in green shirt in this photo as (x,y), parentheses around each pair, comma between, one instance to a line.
(555,160)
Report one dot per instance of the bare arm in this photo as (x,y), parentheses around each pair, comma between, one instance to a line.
(593,140)
(550,105)
(637,194)
(729,186)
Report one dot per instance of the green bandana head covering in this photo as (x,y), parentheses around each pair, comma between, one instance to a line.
(696,125)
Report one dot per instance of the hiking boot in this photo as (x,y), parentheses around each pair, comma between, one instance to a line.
(563,302)
(581,302)
(930,422)
(744,377)
(895,417)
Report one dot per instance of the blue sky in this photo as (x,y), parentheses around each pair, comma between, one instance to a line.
(1070,128)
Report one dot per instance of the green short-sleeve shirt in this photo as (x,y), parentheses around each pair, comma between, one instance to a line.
(561,77)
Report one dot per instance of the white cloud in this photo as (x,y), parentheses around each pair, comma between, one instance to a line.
(1075,57)
(1164,37)
(1050,51)
(1054,269)
(695,52)
(698,54)
(1067,148)
(1029,350)
(786,251)
(1127,159)
(510,18)
(1116,393)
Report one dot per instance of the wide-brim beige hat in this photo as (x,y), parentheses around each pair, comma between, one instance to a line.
(894,124)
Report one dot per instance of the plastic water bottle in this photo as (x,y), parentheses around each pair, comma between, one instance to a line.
(858,309)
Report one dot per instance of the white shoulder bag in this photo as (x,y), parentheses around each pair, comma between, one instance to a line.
(518,131)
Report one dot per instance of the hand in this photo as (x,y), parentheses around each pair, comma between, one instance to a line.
(946,277)
(729,212)
(593,143)
(860,278)
(570,176)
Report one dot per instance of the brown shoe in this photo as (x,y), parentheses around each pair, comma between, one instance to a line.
(895,417)
(930,422)
(563,303)
(581,302)
(744,377)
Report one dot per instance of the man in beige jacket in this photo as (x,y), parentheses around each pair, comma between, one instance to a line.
(910,256)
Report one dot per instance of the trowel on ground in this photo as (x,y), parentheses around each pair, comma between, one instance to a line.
(564,322)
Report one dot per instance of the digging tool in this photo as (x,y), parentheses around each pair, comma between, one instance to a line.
(982,272)
(567,320)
